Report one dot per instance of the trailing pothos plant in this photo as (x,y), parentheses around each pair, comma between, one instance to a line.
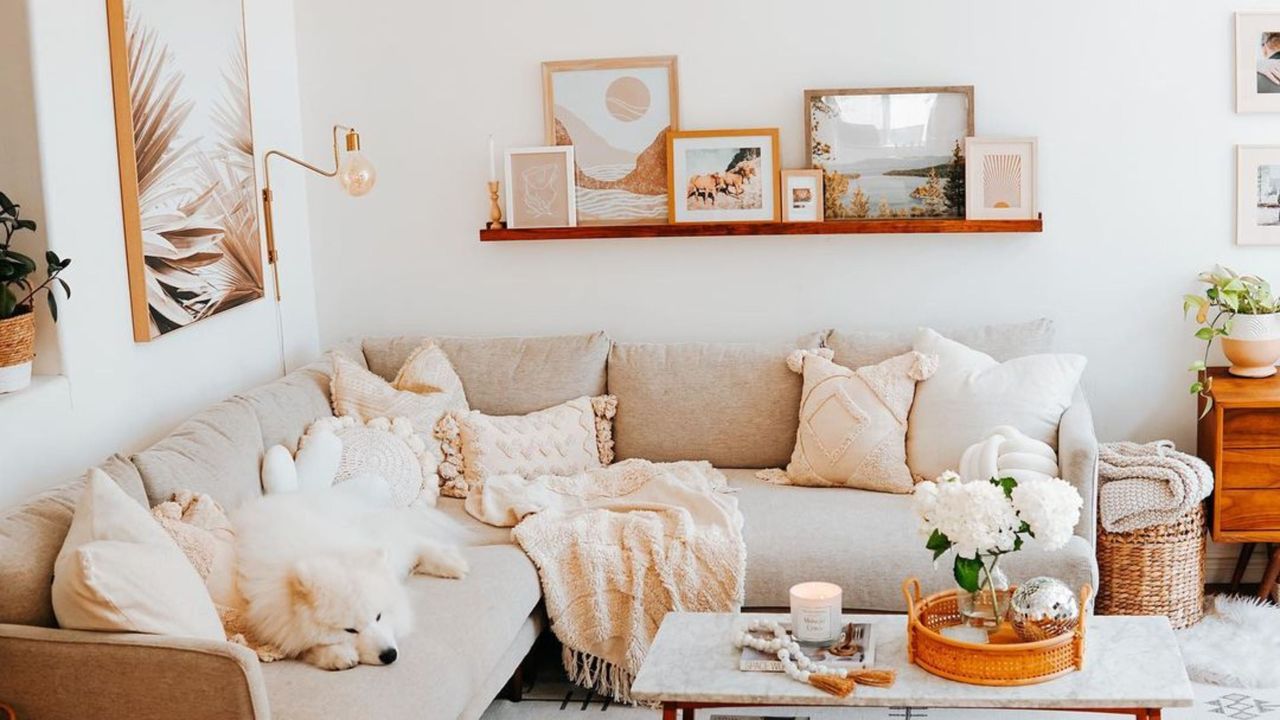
(1228,294)
(17,293)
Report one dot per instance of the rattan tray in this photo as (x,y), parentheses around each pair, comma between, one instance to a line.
(995,664)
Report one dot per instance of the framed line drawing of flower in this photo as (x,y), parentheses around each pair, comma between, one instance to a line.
(188,184)
(616,113)
(1258,194)
(889,152)
(540,188)
(1000,178)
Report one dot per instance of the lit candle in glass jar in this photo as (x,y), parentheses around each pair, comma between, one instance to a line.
(815,611)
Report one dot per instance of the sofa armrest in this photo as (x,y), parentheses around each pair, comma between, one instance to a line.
(50,673)
(1078,461)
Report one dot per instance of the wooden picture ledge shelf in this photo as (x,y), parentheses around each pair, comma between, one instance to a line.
(892,226)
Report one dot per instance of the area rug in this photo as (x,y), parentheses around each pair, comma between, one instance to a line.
(1237,644)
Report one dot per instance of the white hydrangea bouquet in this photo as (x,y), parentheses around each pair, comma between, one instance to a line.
(983,520)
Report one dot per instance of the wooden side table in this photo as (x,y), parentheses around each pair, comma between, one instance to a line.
(1240,439)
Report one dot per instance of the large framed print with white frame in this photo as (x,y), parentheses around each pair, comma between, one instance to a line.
(1257,62)
(723,175)
(1258,194)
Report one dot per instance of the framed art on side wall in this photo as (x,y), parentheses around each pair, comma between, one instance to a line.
(187,172)
(889,152)
(616,114)
(1000,178)
(1258,194)
(540,187)
(1258,62)
(723,175)
(801,196)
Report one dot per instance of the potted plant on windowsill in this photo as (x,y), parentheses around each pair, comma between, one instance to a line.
(17,298)
(1240,310)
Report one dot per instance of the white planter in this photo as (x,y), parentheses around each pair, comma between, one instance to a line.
(1253,347)
(15,377)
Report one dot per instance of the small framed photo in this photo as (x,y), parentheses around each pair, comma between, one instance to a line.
(1258,194)
(1257,62)
(1000,178)
(723,175)
(802,196)
(540,187)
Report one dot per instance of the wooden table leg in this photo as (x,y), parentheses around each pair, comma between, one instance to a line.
(668,711)
(1272,574)
(1242,565)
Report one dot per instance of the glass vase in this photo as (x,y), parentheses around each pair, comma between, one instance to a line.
(988,606)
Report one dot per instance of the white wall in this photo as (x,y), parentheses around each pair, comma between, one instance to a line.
(122,395)
(1132,103)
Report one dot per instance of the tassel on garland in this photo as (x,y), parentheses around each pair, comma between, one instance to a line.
(844,686)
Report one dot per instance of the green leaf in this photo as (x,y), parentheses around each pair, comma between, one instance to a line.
(65,287)
(26,225)
(967,571)
(1196,366)
(1196,387)
(7,302)
(1007,484)
(1231,301)
(7,205)
(1017,543)
(938,543)
(1205,333)
(53,305)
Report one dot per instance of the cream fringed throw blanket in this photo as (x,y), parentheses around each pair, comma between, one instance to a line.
(1145,485)
(619,547)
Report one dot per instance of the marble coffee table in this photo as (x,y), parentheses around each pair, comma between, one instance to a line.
(1132,667)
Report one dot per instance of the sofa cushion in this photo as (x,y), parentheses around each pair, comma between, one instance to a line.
(509,375)
(31,536)
(865,542)
(217,452)
(859,348)
(475,532)
(462,629)
(735,405)
(286,407)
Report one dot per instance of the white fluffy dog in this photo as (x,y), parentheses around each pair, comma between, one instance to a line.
(321,574)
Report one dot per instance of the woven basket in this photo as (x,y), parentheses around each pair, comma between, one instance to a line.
(990,664)
(17,339)
(1155,571)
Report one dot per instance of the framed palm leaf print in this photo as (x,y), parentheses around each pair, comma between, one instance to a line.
(185,137)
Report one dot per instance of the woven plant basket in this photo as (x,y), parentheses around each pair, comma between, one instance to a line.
(17,339)
(1155,571)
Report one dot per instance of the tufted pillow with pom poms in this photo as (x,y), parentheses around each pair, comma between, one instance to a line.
(853,423)
(387,448)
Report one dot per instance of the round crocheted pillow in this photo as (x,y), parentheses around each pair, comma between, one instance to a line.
(387,448)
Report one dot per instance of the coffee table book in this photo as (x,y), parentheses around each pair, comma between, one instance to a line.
(753,660)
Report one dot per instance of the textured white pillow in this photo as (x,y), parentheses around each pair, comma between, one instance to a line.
(385,448)
(424,390)
(971,393)
(853,423)
(562,440)
(119,571)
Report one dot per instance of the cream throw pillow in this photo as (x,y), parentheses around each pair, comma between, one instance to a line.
(387,448)
(562,440)
(119,571)
(853,423)
(423,391)
(972,393)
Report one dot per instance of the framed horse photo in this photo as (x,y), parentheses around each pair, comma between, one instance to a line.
(723,175)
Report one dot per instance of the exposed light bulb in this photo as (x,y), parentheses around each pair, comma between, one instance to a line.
(357,174)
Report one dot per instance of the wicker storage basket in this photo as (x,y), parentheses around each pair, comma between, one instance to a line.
(17,339)
(1154,571)
(1001,665)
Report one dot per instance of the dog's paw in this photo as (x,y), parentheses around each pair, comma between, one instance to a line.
(445,562)
(333,657)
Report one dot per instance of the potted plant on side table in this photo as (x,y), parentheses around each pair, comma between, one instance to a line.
(1241,310)
(17,298)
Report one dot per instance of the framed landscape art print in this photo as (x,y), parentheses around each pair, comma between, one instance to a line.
(1258,194)
(187,173)
(723,175)
(616,114)
(889,152)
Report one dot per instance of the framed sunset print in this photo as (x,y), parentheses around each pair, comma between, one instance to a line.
(723,175)
(616,113)
(185,143)
(1258,194)
(889,152)
(1000,178)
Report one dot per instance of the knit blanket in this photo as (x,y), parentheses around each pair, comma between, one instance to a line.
(617,548)
(1143,485)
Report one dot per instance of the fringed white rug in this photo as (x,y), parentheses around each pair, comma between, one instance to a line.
(1237,644)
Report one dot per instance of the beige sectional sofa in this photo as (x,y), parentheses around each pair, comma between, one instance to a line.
(735,405)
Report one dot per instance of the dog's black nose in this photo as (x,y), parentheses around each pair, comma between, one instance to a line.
(387,656)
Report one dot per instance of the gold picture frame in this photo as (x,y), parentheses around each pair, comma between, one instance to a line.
(622,116)
(722,153)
